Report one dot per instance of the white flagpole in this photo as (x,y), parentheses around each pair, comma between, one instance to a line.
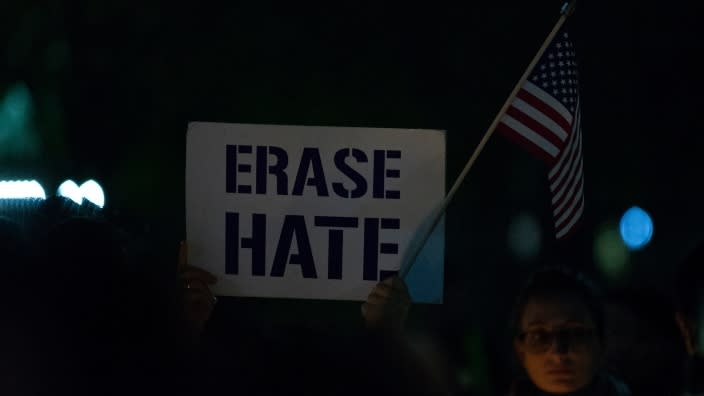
(413,251)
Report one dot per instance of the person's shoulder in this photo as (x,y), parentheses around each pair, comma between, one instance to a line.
(522,387)
(613,386)
(606,385)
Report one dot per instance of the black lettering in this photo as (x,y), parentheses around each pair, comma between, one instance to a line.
(257,243)
(310,157)
(277,169)
(358,179)
(335,241)
(294,225)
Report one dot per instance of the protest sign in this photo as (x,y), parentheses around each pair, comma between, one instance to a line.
(312,212)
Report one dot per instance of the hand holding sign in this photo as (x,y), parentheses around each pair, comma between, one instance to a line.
(198,300)
(387,306)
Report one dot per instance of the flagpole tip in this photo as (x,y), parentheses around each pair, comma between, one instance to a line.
(568,8)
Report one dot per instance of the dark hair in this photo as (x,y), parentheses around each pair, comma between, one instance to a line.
(11,238)
(86,254)
(641,322)
(13,261)
(689,285)
(556,282)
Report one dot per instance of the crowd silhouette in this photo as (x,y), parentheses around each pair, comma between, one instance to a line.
(88,313)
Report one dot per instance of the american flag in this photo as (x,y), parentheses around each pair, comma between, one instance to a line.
(545,118)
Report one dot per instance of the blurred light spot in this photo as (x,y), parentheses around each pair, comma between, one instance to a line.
(92,191)
(475,377)
(524,236)
(69,189)
(17,134)
(17,189)
(89,190)
(636,228)
(610,253)
(464,378)
(700,343)
(57,55)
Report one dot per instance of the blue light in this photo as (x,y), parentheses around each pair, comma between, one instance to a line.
(636,228)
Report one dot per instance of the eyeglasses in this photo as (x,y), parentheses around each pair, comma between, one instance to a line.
(538,341)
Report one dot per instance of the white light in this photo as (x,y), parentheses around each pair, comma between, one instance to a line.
(89,190)
(92,191)
(19,189)
(69,189)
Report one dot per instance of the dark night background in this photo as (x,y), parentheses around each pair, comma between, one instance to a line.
(113,86)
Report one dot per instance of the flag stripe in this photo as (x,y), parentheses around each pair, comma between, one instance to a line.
(545,108)
(529,134)
(549,100)
(540,116)
(536,126)
(559,206)
(559,203)
(576,130)
(571,208)
(562,232)
(525,143)
(558,186)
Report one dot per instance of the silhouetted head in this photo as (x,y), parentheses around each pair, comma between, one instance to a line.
(689,298)
(12,243)
(640,325)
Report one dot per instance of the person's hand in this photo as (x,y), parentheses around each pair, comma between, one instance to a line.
(198,300)
(387,306)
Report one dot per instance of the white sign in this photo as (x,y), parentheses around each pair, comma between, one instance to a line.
(312,212)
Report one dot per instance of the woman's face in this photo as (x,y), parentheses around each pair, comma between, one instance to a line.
(558,345)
